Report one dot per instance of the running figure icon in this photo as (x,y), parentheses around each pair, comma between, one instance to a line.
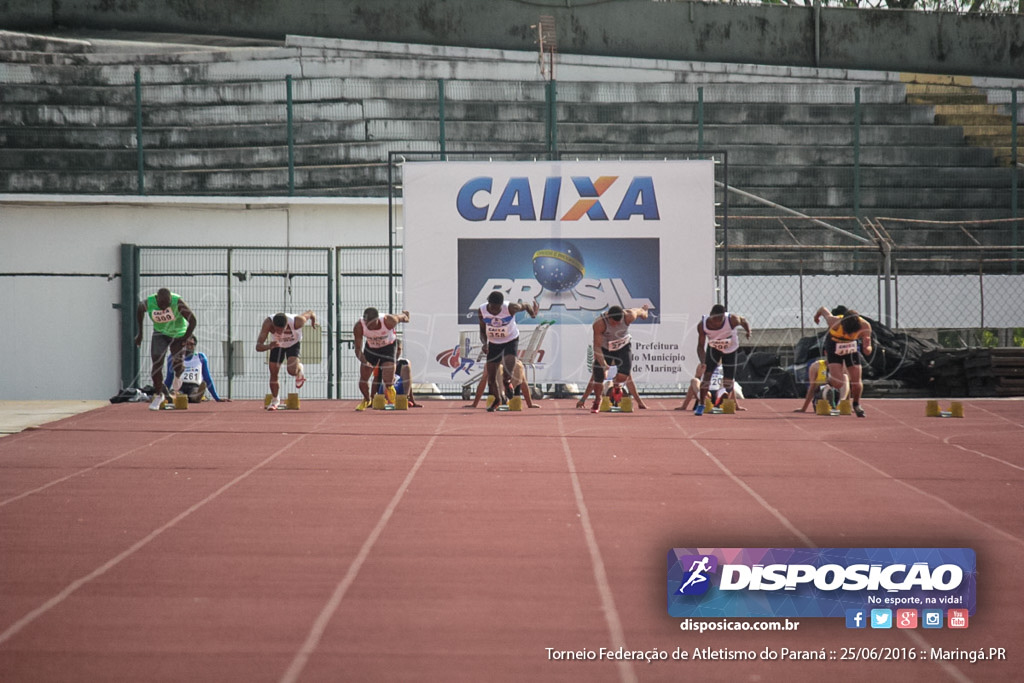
(697,573)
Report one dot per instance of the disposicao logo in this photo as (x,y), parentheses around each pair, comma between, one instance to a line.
(696,581)
(784,582)
(477,199)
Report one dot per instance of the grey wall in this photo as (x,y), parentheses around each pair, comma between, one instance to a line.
(982,45)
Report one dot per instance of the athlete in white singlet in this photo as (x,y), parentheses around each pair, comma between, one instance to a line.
(378,333)
(281,335)
(717,342)
(499,335)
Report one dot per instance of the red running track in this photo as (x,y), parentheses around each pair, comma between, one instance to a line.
(225,543)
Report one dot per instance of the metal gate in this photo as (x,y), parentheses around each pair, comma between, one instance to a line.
(232,290)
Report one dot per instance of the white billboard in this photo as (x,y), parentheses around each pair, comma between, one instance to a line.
(576,236)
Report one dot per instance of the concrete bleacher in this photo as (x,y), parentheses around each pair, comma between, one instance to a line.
(214,121)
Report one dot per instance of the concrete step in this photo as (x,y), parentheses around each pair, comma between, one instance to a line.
(274,181)
(936,79)
(876,197)
(186,160)
(961,98)
(354,180)
(968,110)
(147,55)
(643,113)
(416,99)
(32,42)
(988,138)
(1004,156)
(895,213)
(196,86)
(667,134)
(183,136)
(972,120)
(465,76)
(870,176)
(938,89)
(806,155)
(134,47)
(50,137)
(73,115)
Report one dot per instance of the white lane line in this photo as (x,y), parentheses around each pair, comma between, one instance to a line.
(79,473)
(919,640)
(60,597)
(611,615)
(941,501)
(320,624)
(947,441)
(774,512)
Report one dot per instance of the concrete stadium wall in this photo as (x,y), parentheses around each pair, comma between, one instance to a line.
(60,267)
(890,40)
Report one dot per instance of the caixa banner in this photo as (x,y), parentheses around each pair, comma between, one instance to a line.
(817,582)
(577,237)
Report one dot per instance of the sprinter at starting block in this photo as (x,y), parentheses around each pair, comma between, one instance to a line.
(718,341)
(613,346)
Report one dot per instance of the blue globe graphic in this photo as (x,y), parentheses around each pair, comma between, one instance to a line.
(558,267)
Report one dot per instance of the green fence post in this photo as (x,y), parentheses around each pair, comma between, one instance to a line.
(551,93)
(141,156)
(547,117)
(291,138)
(229,353)
(331,277)
(335,324)
(1014,175)
(441,118)
(700,117)
(856,152)
(129,303)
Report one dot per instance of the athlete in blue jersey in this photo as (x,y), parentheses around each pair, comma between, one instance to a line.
(195,375)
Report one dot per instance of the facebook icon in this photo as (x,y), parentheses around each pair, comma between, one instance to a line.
(856,618)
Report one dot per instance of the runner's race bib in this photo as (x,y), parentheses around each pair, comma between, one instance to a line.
(846,348)
(192,376)
(163,316)
(719,344)
(617,344)
(497,332)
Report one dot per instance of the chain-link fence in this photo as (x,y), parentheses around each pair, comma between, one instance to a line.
(952,293)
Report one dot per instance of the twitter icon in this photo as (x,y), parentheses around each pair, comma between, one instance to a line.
(881,618)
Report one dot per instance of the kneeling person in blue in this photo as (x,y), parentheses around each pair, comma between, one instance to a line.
(403,379)
(195,375)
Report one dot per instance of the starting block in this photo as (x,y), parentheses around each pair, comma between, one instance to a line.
(728,407)
(614,400)
(180,402)
(290,403)
(514,404)
(380,402)
(823,407)
(390,400)
(625,405)
(932,409)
